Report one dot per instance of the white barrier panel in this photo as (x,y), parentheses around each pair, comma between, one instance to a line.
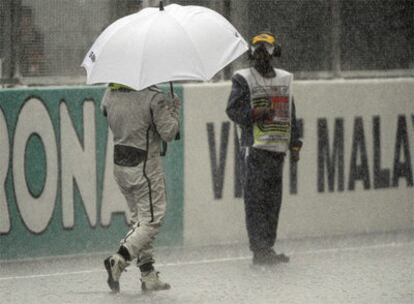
(355,174)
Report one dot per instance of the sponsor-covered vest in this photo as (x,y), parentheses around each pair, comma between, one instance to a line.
(276,93)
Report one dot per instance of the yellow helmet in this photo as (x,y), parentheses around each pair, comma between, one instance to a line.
(264,37)
(268,40)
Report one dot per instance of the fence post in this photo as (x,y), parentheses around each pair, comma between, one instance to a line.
(335,6)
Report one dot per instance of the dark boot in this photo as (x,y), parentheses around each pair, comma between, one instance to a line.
(269,257)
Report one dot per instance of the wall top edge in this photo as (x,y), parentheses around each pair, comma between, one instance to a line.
(223,84)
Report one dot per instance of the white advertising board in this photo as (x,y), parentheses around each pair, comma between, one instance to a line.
(356,169)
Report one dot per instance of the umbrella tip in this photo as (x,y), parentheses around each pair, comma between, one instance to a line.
(161,6)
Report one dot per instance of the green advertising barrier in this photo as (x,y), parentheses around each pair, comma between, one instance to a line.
(52,170)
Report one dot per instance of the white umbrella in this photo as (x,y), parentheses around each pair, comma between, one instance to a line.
(158,45)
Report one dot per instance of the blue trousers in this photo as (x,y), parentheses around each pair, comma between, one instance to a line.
(263,174)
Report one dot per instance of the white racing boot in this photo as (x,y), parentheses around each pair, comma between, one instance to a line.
(150,281)
(115,265)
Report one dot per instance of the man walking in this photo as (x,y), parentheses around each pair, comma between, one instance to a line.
(261,104)
(139,121)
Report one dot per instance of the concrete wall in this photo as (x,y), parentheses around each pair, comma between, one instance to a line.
(57,191)
(58,196)
(369,189)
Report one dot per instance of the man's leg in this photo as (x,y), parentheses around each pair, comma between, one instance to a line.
(274,198)
(116,263)
(254,199)
(151,205)
(275,203)
(145,195)
(262,204)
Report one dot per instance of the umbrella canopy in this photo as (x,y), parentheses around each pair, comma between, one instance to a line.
(158,45)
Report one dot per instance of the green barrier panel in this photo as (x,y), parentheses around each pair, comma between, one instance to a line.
(33,119)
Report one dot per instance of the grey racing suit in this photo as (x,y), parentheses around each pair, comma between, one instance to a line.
(140,121)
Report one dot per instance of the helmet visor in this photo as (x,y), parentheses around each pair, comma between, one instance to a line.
(268,47)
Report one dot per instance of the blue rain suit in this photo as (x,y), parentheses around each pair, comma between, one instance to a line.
(262,170)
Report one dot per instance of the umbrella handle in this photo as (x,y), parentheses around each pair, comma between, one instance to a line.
(178,136)
(171,89)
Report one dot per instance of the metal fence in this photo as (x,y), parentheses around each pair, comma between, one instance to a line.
(43,42)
